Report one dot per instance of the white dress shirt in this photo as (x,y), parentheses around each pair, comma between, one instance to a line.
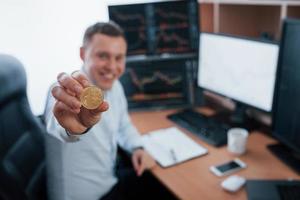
(83,167)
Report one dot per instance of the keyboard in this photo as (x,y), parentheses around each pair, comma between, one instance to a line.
(206,128)
(289,192)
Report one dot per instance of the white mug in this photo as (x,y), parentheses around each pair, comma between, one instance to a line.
(237,140)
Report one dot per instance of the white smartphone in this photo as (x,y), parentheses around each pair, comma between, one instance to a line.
(228,167)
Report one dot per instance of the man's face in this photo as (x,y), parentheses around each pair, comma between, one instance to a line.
(104,59)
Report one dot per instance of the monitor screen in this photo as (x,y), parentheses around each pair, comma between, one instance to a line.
(286,115)
(241,69)
(158,27)
(157,83)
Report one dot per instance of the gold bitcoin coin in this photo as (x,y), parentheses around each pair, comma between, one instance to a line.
(91,97)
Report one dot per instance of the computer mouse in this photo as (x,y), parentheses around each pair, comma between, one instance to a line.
(233,183)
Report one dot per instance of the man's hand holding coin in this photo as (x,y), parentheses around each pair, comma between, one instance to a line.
(79,104)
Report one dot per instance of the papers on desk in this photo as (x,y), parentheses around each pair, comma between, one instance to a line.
(171,146)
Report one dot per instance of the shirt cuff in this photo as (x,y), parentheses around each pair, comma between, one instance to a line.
(137,145)
(73,137)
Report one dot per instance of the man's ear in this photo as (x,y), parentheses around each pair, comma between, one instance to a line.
(82,53)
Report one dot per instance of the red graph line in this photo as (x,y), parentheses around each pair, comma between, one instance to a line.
(157,75)
(172,37)
(164,25)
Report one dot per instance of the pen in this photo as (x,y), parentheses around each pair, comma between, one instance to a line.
(173,154)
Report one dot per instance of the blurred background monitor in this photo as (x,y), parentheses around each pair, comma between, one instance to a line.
(160,27)
(158,83)
(286,115)
(241,69)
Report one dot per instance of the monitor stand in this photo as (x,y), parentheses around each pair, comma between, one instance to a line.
(237,118)
(286,155)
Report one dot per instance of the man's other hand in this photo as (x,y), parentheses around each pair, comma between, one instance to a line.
(142,161)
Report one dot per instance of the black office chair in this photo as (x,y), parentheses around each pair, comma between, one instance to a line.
(22,157)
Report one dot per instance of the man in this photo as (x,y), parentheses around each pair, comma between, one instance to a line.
(82,143)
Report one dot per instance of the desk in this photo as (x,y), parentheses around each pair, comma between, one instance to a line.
(193,180)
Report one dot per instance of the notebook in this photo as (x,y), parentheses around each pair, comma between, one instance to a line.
(171,146)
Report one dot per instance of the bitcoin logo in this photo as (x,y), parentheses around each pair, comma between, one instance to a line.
(91,97)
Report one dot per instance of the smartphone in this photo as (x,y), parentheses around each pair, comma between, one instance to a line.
(228,167)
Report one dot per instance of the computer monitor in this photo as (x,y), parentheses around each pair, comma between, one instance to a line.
(159,27)
(158,83)
(238,68)
(286,114)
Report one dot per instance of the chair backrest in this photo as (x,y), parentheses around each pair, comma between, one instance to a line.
(22,157)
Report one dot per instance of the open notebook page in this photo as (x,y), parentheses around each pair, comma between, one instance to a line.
(171,146)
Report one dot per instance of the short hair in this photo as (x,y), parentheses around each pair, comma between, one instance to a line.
(106,28)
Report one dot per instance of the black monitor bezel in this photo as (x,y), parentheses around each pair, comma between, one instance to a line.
(277,135)
(243,38)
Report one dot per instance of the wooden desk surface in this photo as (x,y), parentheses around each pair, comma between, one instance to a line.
(193,180)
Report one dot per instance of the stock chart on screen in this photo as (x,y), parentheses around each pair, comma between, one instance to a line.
(172,27)
(133,20)
(161,27)
(156,83)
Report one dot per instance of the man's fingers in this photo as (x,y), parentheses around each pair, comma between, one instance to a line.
(69,83)
(81,78)
(135,162)
(60,111)
(60,108)
(142,167)
(61,95)
(102,108)
(70,93)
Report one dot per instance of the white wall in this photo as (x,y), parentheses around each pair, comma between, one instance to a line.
(46,35)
